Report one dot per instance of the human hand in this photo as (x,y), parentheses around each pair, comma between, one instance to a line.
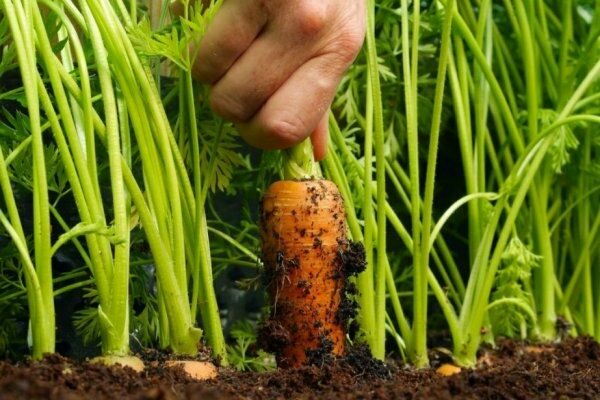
(274,66)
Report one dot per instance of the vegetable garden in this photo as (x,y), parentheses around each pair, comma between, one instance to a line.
(453,221)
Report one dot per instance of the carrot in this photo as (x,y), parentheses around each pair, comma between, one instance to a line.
(303,233)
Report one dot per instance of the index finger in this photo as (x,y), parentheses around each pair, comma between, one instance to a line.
(233,29)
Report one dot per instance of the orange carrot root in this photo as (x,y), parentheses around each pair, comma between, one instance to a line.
(303,233)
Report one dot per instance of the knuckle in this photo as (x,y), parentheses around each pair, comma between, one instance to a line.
(350,30)
(349,40)
(311,17)
(348,44)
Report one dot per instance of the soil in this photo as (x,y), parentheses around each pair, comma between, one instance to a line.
(568,370)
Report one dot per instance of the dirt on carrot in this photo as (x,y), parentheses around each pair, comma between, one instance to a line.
(353,262)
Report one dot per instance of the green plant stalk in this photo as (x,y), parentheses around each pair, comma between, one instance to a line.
(545,289)
(495,88)
(379,338)
(597,302)
(95,263)
(208,300)
(529,54)
(365,280)
(41,305)
(401,319)
(481,281)
(334,168)
(183,342)
(504,65)
(465,7)
(109,345)
(438,291)
(170,266)
(584,218)
(494,159)
(73,286)
(15,229)
(542,241)
(126,149)
(459,89)
(150,224)
(33,287)
(565,43)
(417,349)
(72,233)
(481,106)
(436,288)
(82,121)
(299,162)
(83,112)
(203,293)
(454,272)
(112,283)
(72,156)
(114,34)
(549,67)
(580,265)
(421,297)
(187,127)
(451,278)
(116,337)
(400,230)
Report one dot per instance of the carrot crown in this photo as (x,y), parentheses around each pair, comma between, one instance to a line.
(299,162)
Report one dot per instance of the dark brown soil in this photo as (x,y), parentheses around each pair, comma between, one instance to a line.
(569,370)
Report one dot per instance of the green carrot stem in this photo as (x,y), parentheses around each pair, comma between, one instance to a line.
(150,122)
(117,339)
(379,142)
(41,301)
(299,162)
(86,196)
(418,345)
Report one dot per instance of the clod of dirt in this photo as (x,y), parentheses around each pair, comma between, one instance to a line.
(348,309)
(133,362)
(198,370)
(535,349)
(272,336)
(353,258)
(448,370)
(360,361)
(323,354)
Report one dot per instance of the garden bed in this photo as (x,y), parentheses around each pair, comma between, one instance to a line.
(568,370)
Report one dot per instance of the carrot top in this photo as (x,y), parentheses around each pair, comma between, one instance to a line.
(299,162)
